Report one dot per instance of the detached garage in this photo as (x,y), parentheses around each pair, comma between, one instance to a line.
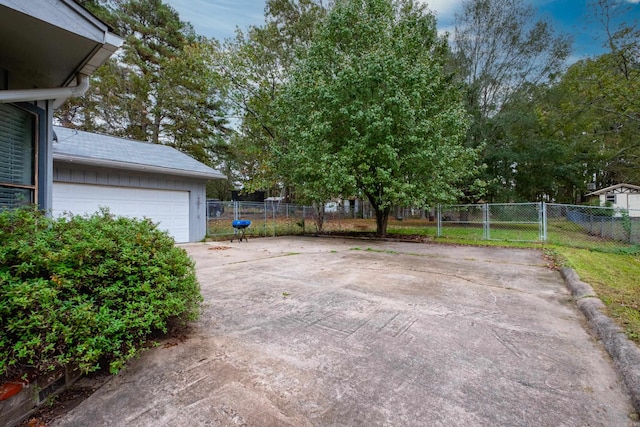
(131,178)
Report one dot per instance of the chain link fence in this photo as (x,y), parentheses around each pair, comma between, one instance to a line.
(273,218)
(461,221)
(267,218)
(573,225)
(499,221)
(582,225)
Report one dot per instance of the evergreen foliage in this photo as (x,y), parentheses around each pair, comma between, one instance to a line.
(82,291)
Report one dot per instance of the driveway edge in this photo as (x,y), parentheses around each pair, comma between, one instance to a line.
(625,354)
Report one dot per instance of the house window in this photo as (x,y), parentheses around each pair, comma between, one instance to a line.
(611,198)
(18,156)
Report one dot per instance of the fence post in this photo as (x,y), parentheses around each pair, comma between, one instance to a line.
(264,226)
(486,231)
(439,221)
(543,221)
(273,216)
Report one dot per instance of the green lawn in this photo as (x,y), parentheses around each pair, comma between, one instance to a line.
(614,277)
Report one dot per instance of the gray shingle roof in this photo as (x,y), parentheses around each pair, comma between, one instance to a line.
(101,150)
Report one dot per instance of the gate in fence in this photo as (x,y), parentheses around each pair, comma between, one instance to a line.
(496,221)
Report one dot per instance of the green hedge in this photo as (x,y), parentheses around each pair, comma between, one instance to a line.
(78,291)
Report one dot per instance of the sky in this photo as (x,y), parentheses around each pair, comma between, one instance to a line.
(219,18)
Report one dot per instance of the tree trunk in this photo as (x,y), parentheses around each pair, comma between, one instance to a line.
(318,215)
(382,218)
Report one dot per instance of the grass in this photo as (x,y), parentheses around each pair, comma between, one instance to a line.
(614,277)
(222,229)
(382,251)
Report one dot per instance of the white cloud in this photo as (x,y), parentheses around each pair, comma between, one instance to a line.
(443,9)
(219,18)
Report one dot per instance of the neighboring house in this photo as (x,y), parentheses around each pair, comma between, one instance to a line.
(131,178)
(48,50)
(619,196)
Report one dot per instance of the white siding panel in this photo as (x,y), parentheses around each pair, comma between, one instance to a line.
(634,205)
(168,208)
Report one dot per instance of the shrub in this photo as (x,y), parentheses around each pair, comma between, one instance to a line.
(84,290)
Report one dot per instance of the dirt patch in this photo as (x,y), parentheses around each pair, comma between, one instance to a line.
(394,237)
(68,399)
(61,404)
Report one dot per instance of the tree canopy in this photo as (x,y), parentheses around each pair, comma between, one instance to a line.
(586,123)
(602,95)
(370,111)
(161,86)
(254,65)
(499,51)
(362,98)
(499,46)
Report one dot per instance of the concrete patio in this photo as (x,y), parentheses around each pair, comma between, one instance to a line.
(301,331)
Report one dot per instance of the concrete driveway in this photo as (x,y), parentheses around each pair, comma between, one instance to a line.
(324,332)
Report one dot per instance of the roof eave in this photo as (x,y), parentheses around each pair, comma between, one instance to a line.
(102,53)
(135,167)
(613,187)
(87,42)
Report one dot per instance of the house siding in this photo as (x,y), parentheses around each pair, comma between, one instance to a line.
(629,202)
(80,174)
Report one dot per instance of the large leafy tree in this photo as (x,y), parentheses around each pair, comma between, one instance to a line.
(370,111)
(595,108)
(161,87)
(499,47)
(607,93)
(500,50)
(255,64)
(603,102)
(533,159)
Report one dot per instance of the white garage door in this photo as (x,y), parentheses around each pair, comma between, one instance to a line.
(170,209)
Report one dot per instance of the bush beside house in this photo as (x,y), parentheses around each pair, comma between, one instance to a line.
(81,291)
